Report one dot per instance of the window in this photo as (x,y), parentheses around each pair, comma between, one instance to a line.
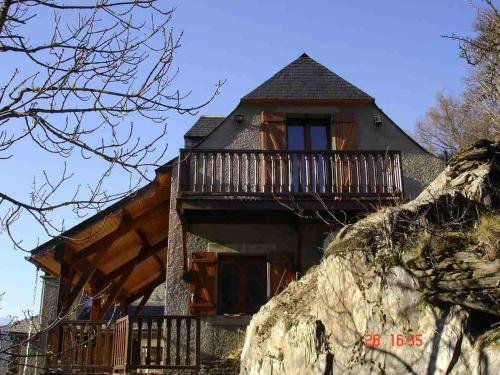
(308,134)
(242,283)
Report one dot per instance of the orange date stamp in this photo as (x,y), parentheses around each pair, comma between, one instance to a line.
(410,340)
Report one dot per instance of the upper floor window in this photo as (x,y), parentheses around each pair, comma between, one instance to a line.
(308,134)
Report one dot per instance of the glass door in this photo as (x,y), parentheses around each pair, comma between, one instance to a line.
(308,167)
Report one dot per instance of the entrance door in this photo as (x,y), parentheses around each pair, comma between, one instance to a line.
(308,167)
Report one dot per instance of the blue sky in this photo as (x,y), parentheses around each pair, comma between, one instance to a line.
(391,49)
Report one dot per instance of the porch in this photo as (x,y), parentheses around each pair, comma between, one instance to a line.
(129,344)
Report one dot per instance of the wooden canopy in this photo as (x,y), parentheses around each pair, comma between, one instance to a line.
(118,255)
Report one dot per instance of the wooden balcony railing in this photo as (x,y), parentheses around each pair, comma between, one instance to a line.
(128,344)
(360,174)
(78,346)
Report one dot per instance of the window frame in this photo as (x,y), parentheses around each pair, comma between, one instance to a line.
(306,123)
(239,260)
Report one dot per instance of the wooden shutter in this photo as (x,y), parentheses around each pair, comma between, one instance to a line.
(281,272)
(272,137)
(272,131)
(203,284)
(345,137)
(345,131)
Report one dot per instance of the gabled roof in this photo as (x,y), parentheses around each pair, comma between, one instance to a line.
(204,126)
(305,78)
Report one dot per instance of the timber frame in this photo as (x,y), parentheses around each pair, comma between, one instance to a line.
(116,257)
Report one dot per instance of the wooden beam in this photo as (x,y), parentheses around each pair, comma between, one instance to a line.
(125,226)
(146,243)
(62,256)
(86,275)
(144,300)
(143,254)
(152,284)
(309,102)
(114,293)
(96,310)
(123,308)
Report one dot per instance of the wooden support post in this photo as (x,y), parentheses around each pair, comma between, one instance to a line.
(62,257)
(144,300)
(114,293)
(123,308)
(96,310)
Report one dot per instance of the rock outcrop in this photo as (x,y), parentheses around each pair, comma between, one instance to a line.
(422,278)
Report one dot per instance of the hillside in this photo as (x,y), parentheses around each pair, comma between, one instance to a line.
(421,278)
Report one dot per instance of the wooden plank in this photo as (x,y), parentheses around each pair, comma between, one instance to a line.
(188,341)
(127,225)
(178,322)
(159,335)
(198,342)
(144,300)
(143,254)
(148,345)
(169,339)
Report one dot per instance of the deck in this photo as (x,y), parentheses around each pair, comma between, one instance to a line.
(132,343)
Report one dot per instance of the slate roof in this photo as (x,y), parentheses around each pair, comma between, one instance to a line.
(305,78)
(203,126)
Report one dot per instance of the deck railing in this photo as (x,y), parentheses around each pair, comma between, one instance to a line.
(164,342)
(258,172)
(129,343)
(79,346)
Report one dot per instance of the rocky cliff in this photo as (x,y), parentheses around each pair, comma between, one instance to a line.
(412,289)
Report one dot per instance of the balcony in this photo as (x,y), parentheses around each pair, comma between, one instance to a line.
(256,179)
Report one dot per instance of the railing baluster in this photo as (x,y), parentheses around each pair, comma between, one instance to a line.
(159,334)
(188,341)
(248,165)
(316,173)
(212,172)
(178,322)
(240,172)
(332,179)
(148,345)
(139,339)
(273,174)
(230,175)
(222,172)
(367,174)
(168,343)
(307,172)
(281,183)
(290,173)
(299,172)
(356,160)
(195,172)
(384,177)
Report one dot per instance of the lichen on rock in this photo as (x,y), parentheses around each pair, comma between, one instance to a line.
(429,267)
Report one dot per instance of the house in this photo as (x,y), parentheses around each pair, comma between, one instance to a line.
(240,213)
